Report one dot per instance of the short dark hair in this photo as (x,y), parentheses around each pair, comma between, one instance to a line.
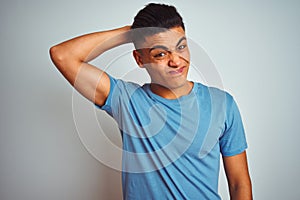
(155,18)
(158,15)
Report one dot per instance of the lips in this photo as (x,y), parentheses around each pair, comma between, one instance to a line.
(177,72)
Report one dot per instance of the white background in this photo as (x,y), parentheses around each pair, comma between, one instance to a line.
(255,46)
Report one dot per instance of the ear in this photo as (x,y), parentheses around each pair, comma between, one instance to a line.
(138,58)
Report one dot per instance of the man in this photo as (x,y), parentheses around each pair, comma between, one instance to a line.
(173,130)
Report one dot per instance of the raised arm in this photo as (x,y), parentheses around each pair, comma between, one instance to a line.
(71,59)
(236,169)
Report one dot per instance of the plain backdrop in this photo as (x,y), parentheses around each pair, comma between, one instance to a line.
(254,45)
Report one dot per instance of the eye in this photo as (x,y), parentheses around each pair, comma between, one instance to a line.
(160,54)
(181,47)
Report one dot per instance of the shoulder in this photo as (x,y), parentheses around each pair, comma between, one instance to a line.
(220,100)
(213,93)
(122,85)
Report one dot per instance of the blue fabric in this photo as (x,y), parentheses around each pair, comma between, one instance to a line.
(171,148)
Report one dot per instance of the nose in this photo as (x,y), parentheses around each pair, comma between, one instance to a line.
(175,60)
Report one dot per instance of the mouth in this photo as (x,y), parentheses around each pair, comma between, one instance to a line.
(177,72)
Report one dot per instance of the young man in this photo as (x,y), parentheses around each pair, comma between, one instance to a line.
(173,130)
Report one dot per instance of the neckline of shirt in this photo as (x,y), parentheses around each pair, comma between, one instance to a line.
(173,101)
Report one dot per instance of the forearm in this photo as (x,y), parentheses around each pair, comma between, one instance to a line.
(71,57)
(86,47)
(241,192)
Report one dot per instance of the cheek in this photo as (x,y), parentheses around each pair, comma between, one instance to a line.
(156,70)
(158,65)
(186,56)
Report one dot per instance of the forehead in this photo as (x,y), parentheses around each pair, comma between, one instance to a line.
(167,38)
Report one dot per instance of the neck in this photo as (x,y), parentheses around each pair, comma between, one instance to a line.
(171,93)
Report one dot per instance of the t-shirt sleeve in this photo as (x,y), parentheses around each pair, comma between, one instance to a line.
(233,141)
(109,101)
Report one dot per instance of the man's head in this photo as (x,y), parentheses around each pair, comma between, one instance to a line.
(161,45)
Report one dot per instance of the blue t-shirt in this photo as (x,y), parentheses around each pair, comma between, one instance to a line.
(171,148)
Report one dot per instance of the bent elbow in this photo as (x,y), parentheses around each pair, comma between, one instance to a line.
(55,54)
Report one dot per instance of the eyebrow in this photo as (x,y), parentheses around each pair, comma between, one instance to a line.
(164,47)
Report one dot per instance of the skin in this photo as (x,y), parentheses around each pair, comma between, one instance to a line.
(71,59)
(166,58)
(239,183)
